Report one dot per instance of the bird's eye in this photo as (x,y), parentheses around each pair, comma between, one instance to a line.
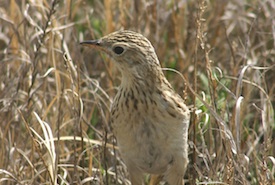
(118,50)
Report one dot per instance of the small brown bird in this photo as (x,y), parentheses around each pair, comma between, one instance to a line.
(149,120)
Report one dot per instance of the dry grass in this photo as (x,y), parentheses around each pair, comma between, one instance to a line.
(55,96)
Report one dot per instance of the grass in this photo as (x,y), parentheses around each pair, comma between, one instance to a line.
(55,95)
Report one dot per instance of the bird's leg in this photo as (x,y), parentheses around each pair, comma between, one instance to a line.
(155,179)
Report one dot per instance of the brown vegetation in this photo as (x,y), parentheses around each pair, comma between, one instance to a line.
(55,95)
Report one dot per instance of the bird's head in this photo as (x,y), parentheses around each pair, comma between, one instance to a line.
(133,53)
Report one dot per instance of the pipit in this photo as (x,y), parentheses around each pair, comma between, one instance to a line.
(149,119)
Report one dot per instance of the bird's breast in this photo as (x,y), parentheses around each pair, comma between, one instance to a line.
(145,131)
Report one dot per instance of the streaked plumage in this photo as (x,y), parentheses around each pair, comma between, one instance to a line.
(150,121)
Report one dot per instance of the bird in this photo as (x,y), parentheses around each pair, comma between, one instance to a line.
(148,118)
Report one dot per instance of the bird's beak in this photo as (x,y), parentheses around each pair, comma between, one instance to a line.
(91,43)
(96,44)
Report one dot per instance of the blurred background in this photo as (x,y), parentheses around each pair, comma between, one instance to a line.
(55,95)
